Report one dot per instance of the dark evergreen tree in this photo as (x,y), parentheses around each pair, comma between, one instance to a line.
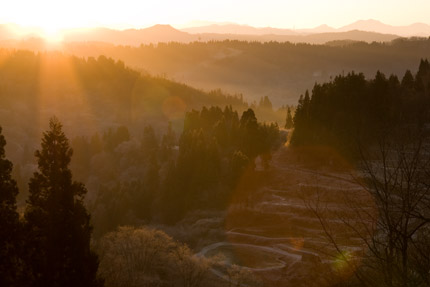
(149,142)
(96,144)
(289,120)
(169,209)
(249,131)
(169,138)
(9,223)
(112,138)
(58,224)
(422,78)
(265,103)
(269,140)
(408,80)
(238,164)
(145,197)
(167,143)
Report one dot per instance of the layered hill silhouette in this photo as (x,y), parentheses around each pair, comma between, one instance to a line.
(281,71)
(416,29)
(256,64)
(363,30)
(166,33)
(134,37)
(231,28)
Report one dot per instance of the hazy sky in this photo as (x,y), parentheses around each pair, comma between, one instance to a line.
(54,15)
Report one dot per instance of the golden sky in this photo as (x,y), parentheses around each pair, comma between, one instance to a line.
(55,15)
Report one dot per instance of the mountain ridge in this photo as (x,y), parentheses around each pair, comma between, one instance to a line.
(362,30)
(369,25)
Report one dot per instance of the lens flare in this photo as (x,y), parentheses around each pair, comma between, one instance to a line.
(174,108)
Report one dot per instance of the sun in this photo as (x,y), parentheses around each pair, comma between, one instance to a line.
(50,28)
(38,18)
(51,33)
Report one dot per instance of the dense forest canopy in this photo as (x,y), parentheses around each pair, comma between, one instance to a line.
(162,178)
(279,70)
(351,110)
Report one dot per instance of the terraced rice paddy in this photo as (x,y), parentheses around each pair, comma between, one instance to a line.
(279,228)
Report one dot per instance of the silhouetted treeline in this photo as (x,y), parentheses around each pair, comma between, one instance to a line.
(351,109)
(281,70)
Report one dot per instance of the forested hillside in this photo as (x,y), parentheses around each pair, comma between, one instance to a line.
(37,84)
(104,105)
(351,111)
(89,96)
(281,71)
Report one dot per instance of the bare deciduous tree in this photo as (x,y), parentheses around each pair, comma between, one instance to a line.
(391,221)
(148,257)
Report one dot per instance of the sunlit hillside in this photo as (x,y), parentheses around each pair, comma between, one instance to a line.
(90,96)
(214,143)
(281,71)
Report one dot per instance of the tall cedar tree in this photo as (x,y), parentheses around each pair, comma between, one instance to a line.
(57,221)
(289,121)
(9,222)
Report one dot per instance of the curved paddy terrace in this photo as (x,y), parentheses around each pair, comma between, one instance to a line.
(277,231)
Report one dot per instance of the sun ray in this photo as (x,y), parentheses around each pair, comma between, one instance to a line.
(61,93)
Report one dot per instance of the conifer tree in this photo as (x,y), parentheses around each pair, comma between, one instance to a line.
(58,224)
(149,141)
(9,222)
(289,120)
(249,132)
(167,143)
(422,78)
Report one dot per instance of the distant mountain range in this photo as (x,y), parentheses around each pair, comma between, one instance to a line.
(365,30)
(417,29)
(154,34)
(237,30)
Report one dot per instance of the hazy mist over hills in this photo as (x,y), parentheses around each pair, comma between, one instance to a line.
(166,33)
(278,143)
(416,29)
(363,30)
(278,69)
